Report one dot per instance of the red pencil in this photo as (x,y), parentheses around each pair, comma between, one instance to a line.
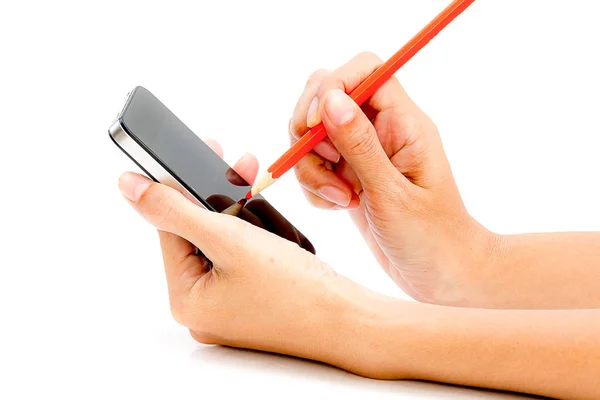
(361,94)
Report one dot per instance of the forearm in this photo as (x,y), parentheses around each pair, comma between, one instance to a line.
(540,271)
(550,353)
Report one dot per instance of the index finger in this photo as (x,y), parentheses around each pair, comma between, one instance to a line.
(347,78)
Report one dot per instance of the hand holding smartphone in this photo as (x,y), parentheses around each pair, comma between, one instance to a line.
(170,153)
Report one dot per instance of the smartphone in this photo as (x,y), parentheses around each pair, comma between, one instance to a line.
(170,153)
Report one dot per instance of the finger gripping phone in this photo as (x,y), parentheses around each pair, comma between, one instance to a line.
(170,153)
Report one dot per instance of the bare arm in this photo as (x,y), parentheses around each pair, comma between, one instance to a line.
(263,292)
(549,353)
(539,271)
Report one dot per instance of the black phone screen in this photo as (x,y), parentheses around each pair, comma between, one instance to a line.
(199,169)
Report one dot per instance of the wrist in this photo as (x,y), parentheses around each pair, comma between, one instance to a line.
(476,264)
(365,327)
(483,286)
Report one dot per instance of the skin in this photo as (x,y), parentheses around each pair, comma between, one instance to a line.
(519,313)
(413,218)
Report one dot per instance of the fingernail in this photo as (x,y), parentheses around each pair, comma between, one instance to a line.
(312,117)
(133,185)
(328,151)
(339,107)
(335,195)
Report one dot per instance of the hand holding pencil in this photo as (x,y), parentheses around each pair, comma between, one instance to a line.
(360,94)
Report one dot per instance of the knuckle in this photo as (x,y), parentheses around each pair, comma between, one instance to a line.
(354,71)
(405,121)
(369,57)
(331,82)
(406,125)
(317,76)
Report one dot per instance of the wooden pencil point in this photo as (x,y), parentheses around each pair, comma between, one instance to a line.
(263,182)
(235,208)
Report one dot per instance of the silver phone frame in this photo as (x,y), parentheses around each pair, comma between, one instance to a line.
(144,159)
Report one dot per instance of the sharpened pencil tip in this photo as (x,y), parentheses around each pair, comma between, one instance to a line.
(235,208)
(262,182)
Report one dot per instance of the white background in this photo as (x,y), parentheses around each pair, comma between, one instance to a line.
(513,86)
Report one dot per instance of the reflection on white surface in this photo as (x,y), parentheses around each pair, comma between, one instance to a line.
(300,374)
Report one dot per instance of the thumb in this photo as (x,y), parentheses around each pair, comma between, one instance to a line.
(356,139)
(168,210)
